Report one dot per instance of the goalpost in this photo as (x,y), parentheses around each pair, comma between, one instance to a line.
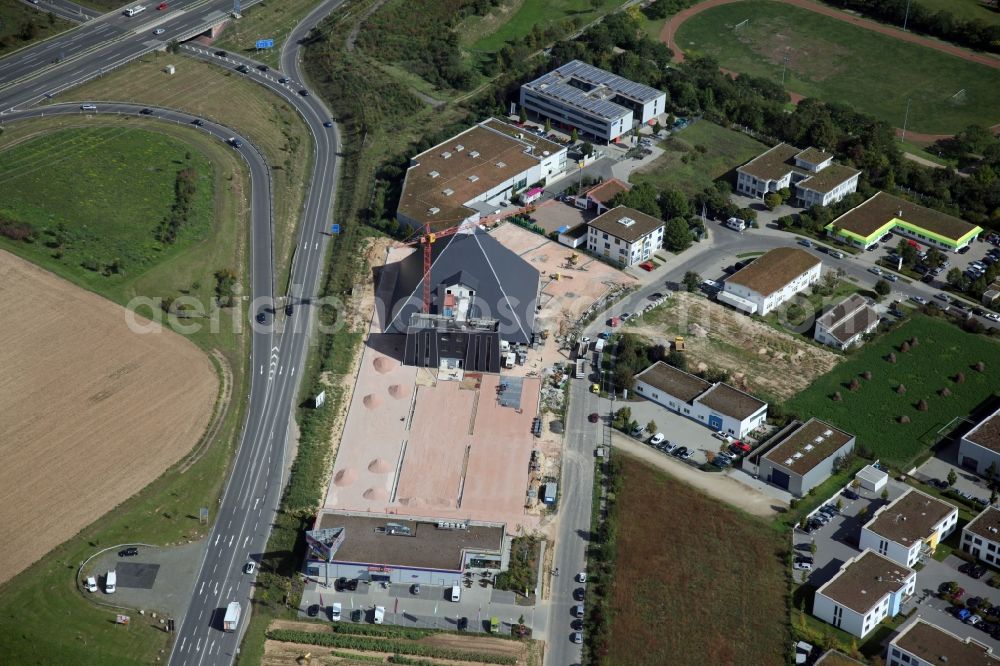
(742,24)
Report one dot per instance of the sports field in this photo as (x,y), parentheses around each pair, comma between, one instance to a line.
(836,61)
(91,411)
(872,411)
(683,166)
(695,582)
(515,18)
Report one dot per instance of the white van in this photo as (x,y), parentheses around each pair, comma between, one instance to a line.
(456,593)
(88,107)
(91,584)
(379,615)
(111,582)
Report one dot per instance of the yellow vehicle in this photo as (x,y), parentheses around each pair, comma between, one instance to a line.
(595,388)
(494,624)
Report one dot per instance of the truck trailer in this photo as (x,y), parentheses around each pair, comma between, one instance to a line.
(232,619)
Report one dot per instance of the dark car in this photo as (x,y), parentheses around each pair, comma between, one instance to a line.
(146,112)
(357,615)
(803,546)
(594,417)
(576,625)
(973,603)
(463,623)
(261,318)
(197,122)
(579,593)
(681,451)
(352,584)
(415,589)
(243,69)
(965,249)
(979,312)
(128,552)
(262,68)
(283,79)
(927,279)
(313,610)
(288,310)
(304,92)
(850,494)
(339,584)
(221,54)
(327,123)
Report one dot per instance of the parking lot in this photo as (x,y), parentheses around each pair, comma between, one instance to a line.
(945,461)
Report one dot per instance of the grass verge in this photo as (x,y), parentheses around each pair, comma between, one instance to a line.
(515,19)
(265,20)
(21,25)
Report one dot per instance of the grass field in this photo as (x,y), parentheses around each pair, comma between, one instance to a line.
(273,126)
(13,17)
(965,10)
(695,581)
(683,167)
(515,19)
(836,61)
(265,20)
(872,411)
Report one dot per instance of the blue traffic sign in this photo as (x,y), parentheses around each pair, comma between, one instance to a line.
(265,43)
(334,228)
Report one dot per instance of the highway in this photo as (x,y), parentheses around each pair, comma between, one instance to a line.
(64,9)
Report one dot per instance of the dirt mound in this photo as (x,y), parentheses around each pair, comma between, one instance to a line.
(399,392)
(697,331)
(376,494)
(384,364)
(372,401)
(379,466)
(345,477)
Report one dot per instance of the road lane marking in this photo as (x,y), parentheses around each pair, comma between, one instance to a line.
(231,540)
(217,537)
(216,589)
(198,647)
(185,640)
(246,540)
(200,591)
(211,647)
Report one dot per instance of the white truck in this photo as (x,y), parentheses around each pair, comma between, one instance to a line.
(581,368)
(379,615)
(111,582)
(132,11)
(232,619)
(599,345)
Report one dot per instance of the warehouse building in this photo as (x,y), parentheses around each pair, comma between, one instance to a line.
(805,457)
(390,549)
(624,236)
(980,447)
(469,176)
(868,589)
(921,643)
(809,174)
(592,101)
(909,528)
(866,224)
(717,406)
(770,280)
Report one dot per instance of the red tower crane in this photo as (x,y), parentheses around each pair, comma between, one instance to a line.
(427,239)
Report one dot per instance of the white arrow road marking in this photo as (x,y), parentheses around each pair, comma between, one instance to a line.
(262,369)
(281,369)
(198,647)
(246,540)
(293,371)
(317,246)
(256,502)
(216,589)
(211,647)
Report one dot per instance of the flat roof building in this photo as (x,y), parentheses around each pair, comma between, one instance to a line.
(717,406)
(909,528)
(868,589)
(845,324)
(805,457)
(464,178)
(865,224)
(624,236)
(981,536)
(980,447)
(770,280)
(810,174)
(921,643)
(591,100)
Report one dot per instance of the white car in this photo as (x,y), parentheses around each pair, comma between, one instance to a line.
(159,31)
(657,438)
(875,270)
(250,567)
(992,316)
(581,577)
(803,566)
(91,584)
(335,612)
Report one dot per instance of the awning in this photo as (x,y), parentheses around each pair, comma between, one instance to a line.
(737,302)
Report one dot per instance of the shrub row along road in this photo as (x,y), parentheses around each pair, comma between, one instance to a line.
(252,494)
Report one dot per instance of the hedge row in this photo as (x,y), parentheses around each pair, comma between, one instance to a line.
(379,630)
(385,645)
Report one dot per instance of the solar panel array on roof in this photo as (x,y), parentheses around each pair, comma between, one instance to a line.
(555,86)
(597,76)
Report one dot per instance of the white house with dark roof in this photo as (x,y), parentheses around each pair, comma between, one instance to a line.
(718,406)
(770,280)
(811,174)
(868,589)
(921,643)
(980,447)
(624,236)
(981,536)
(909,528)
(845,324)
(804,456)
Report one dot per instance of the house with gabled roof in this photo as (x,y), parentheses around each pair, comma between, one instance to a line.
(810,174)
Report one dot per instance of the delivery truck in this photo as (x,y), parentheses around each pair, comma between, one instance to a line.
(581,368)
(232,619)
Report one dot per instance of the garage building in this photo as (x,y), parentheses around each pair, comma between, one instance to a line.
(805,457)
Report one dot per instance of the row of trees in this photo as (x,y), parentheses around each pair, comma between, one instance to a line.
(670,205)
(185,187)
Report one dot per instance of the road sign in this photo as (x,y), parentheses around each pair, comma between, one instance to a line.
(265,43)
(334,228)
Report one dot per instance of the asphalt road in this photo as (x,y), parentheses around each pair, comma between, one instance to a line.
(64,9)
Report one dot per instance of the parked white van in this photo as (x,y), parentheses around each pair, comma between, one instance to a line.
(91,584)
(456,593)
(379,615)
(111,582)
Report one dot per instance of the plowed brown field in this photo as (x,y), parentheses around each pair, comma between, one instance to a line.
(90,412)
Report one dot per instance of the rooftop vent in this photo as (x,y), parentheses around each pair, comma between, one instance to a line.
(809,447)
(797,455)
(447,191)
(529,149)
(434,210)
(500,165)
(459,148)
(545,153)
(473,178)
(473,153)
(818,440)
(789,461)
(446,154)
(626,221)
(827,433)
(994,530)
(434,174)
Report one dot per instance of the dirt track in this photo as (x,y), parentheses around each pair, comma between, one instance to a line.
(668,35)
(90,412)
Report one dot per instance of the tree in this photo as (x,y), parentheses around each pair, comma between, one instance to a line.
(952,477)
(691,281)
(957,280)
(548,125)
(882,288)
(673,203)
(885,494)
(522,115)
(935,257)
(574,136)
(907,252)
(676,235)
(587,149)
(651,426)
(772,200)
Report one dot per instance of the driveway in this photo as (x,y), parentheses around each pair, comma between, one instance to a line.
(946,460)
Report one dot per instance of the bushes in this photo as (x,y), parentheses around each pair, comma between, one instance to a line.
(15,229)
(184,190)
(384,645)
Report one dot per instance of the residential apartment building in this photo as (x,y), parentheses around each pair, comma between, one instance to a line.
(804,456)
(921,643)
(717,406)
(845,324)
(770,280)
(465,178)
(909,528)
(868,589)
(624,236)
(981,536)
(810,174)
(866,224)
(980,447)
(591,100)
